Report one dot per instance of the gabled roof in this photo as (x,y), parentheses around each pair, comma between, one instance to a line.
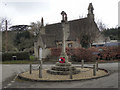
(54,29)
(78,28)
(48,40)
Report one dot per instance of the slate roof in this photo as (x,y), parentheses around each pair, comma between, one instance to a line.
(56,30)
(77,28)
(49,40)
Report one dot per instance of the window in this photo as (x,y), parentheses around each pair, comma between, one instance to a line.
(69,44)
(59,45)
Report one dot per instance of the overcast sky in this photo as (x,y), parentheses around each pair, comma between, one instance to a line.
(27,11)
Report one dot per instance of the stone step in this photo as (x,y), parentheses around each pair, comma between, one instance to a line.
(62,72)
(63,64)
(62,68)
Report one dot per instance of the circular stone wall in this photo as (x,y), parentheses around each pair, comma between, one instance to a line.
(85,74)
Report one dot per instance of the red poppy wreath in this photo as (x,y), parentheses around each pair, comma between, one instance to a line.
(62,60)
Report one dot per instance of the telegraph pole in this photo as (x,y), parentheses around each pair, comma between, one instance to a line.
(6,38)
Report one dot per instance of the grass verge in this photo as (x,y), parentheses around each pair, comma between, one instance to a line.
(18,62)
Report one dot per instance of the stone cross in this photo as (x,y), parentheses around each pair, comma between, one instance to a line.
(64,19)
(64,46)
(64,16)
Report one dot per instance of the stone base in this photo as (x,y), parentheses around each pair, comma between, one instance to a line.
(62,72)
(63,69)
(63,64)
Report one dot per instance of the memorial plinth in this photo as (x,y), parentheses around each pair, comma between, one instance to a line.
(63,69)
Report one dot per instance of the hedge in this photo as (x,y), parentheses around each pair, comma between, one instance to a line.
(110,53)
(90,54)
(76,54)
(19,56)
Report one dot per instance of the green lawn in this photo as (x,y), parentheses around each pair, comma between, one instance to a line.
(18,62)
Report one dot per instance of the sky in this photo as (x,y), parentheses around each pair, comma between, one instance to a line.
(23,12)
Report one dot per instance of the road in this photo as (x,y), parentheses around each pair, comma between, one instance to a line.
(10,71)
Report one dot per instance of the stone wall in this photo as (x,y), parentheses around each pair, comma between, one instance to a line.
(101,38)
(42,30)
(46,52)
(76,44)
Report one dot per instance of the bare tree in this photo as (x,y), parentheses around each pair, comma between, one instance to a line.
(35,27)
(2,20)
(2,23)
(100,25)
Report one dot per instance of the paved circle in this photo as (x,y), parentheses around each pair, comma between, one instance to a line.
(85,74)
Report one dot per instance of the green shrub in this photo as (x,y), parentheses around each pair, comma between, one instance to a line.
(32,57)
(19,56)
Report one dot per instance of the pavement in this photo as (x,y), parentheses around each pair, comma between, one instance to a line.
(9,72)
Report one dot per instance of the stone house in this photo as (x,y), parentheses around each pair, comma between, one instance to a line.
(51,35)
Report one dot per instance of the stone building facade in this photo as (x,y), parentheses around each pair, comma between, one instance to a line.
(51,36)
